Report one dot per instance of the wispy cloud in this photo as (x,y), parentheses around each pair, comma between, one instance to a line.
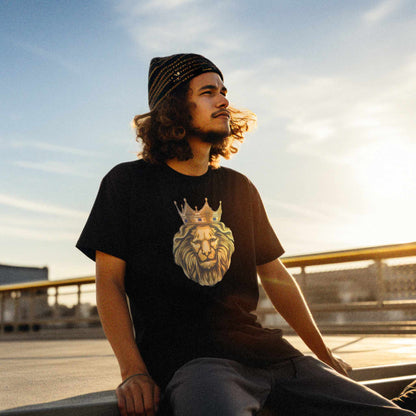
(37,234)
(26,224)
(151,6)
(332,117)
(382,11)
(298,210)
(53,167)
(47,55)
(21,219)
(53,148)
(40,207)
(302,231)
(158,27)
(301,235)
(328,116)
(320,213)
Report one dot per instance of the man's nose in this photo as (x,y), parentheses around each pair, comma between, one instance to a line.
(223,101)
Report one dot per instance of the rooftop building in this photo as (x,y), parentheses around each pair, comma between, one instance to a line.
(16,274)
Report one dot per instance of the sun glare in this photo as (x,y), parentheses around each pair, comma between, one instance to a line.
(387,170)
(386,173)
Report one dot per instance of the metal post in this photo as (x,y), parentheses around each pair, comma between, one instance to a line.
(303,278)
(31,317)
(16,309)
(2,309)
(78,308)
(380,282)
(56,304)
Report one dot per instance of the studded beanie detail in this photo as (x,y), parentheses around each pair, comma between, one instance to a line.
(167,73)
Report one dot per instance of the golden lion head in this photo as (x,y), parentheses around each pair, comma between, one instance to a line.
(204,251)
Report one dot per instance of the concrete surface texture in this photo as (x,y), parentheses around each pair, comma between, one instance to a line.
(34,372)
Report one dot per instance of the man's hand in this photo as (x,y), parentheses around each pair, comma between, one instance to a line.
(138,395)
(338,364)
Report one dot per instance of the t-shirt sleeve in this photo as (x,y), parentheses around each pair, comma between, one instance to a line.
(267,245)
(106,229)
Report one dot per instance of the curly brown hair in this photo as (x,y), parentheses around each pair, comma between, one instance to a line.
(163,131)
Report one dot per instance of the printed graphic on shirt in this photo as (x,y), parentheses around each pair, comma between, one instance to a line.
(203,246)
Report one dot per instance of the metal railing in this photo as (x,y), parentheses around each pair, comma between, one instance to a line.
(48,304)
(359,290)
(363,290)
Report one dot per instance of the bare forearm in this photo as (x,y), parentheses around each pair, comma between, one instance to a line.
(138,394)
(288,300)
(116,322)
(114,313)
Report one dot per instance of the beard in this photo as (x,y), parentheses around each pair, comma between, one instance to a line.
(214,137)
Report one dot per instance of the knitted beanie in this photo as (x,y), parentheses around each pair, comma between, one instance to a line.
(167,73)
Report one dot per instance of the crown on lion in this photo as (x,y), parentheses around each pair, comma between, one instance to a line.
(204,216)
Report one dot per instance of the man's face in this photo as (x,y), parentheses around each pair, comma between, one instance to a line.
(210,117)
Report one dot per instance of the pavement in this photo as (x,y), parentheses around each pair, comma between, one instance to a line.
(39,371)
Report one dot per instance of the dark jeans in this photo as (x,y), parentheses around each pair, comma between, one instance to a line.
(301,386)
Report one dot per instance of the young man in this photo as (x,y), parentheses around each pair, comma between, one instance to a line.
(183,240)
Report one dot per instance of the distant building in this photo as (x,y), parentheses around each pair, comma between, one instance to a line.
(19,310)
(10,275)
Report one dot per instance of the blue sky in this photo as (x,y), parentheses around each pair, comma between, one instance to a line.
(333,84)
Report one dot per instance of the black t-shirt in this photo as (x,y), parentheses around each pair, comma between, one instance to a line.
(191,246)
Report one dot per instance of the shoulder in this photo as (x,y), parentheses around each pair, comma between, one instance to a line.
(239,183)
(123,178)
(127,168)
(237,178)
(231,173)
(127,171)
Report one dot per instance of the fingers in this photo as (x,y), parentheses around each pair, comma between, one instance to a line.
(148,403)
(156,397)
(341,370)
(337,364)
(341,366)
(346,365)
(138,396)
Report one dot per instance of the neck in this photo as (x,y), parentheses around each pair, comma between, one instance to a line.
(196,166)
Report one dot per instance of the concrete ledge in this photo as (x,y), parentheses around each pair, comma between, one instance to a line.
(54,334)
(389,387)
(387,380)
(103,403)
(383,371)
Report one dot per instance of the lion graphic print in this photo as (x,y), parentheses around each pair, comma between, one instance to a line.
(203,246)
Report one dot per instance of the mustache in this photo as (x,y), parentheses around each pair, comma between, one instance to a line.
(221,112)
